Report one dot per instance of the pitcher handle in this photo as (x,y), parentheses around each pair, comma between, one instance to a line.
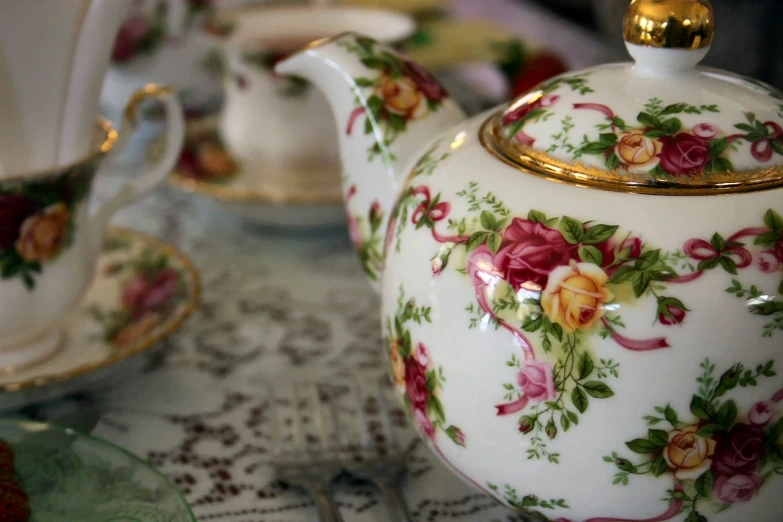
(156,173)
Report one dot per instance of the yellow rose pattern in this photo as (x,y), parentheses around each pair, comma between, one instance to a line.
(37,220)
(399,92)
(556,283)
(575,295)
(714,455)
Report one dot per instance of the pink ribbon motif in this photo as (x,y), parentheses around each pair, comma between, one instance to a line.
(674,509)
(483,273)
(598,107)
(636,345)
(702,250)
(434,213)
(762,149)
(358,111)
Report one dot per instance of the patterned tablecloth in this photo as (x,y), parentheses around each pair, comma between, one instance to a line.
(274,305)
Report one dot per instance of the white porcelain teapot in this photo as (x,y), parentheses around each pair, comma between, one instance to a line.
(582,291)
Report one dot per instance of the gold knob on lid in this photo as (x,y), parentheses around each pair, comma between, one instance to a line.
(670,24)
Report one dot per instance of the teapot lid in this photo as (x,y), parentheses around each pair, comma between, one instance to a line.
(660,125)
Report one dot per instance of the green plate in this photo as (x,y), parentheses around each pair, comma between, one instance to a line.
(71,476)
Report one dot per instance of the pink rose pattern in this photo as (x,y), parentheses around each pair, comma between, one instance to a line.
(423,380)
(565,272)
(535,380)
(149,290)
(402,91)
(590,261)
(741,454)
(696,151)
(530,250)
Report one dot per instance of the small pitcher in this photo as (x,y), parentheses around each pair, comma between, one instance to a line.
(159,42)
(274,120)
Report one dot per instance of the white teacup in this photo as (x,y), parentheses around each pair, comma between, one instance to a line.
(160,41)
(267,119)
(50,241)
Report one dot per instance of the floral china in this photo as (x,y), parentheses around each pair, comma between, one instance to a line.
(265,118)
(582,291)
(50,240)
(142,292)
(282,196)
(161,41)
(60,474)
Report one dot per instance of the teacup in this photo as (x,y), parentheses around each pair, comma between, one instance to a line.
(49,239)
(159,41)
(273,120)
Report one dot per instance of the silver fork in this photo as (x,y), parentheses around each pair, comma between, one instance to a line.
(305,461)
(377,459)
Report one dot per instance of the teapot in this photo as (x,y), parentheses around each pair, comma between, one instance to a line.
(581,290)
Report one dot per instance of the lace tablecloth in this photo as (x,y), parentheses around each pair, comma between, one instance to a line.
(274,305)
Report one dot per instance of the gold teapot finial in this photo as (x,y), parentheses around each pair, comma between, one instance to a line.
(670,24)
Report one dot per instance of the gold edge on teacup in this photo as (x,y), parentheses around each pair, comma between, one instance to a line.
(147,342)
(107,144)
(232,194)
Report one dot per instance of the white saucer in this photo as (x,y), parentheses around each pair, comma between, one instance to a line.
(114,321)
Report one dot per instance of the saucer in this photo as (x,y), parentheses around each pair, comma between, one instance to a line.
(301,196)
(67,475)
(141,293)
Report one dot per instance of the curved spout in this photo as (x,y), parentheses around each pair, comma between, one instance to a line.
(386,108)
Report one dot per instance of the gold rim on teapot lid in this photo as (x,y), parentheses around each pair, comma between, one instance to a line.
(670,24)
(659,125)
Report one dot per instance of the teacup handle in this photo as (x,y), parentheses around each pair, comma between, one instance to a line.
(155,174)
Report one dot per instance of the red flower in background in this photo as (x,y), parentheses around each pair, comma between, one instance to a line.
(132,31)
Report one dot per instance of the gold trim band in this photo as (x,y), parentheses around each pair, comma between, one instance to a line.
(232,194)
(542,165)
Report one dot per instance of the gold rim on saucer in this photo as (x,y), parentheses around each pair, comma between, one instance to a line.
(146,342)
(233,194)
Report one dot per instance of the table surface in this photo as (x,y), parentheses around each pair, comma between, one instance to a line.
(274,304)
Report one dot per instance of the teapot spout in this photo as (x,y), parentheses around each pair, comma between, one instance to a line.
(386,108)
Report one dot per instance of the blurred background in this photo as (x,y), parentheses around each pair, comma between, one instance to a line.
(747,43)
